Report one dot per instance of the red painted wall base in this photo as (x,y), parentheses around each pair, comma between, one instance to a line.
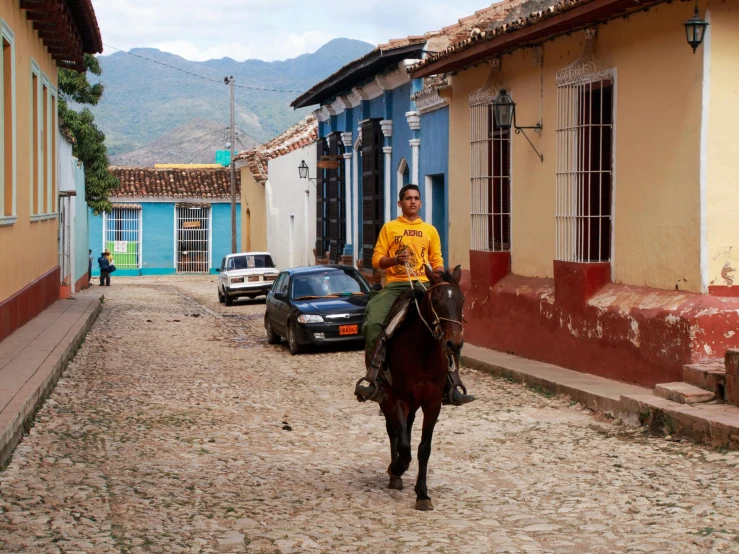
(27,303)
(82,283)
(581,321)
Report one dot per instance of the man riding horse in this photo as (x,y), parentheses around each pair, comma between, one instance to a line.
(404,246)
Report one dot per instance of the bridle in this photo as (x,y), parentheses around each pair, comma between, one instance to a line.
(435,326)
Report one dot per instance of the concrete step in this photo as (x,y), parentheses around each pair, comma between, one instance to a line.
(710,375)
(683,393)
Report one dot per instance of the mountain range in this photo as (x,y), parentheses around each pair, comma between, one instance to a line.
(148,106)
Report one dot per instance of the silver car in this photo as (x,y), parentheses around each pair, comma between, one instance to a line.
(249,274)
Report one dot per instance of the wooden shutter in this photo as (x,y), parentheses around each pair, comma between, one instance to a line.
(373,188)
(321,201)
(336,203)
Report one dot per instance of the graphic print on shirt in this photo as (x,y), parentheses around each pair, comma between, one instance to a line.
(415,244)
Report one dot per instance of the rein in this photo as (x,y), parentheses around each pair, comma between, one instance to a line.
(436,332)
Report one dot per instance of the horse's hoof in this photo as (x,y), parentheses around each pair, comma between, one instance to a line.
(396,483)
(424,504)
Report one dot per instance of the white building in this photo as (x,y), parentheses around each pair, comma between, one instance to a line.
(289,201)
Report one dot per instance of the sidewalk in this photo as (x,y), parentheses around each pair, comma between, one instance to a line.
(33,358)
(713,424)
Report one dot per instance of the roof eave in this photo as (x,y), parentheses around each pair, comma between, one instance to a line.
(574,19)
(318,92)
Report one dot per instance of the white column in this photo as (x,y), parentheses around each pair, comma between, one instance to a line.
(415,145)
(388,150)
(357,202)
(414,123)
(346,138)
(387,130)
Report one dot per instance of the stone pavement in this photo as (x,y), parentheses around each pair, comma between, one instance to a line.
(33,357)
(177,428)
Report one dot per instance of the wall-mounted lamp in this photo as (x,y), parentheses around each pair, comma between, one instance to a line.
(303,170)
(695,29)
(504,110)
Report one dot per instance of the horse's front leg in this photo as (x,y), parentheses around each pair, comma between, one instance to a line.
(430,416)
(396,419)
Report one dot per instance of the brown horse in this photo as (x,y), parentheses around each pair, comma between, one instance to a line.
(418,358)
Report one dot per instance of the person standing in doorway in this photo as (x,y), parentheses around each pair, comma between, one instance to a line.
(89,267)
(104,269)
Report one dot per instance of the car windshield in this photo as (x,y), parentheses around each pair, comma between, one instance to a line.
(327,284)
(250,261)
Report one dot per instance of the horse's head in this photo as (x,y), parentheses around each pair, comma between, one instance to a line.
(445,300)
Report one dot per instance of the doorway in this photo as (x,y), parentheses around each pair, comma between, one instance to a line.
(436,208)
(193,239)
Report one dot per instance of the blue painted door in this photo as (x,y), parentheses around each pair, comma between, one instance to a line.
(438,210)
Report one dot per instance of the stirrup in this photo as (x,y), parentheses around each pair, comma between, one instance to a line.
(372,391)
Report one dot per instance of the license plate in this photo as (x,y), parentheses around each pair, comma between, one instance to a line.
(270,277)
(348,329)
(253,278)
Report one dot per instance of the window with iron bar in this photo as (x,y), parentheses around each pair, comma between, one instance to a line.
(490,180)
(584,170)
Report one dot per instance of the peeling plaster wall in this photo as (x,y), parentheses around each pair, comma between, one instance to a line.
(635,334)
(657,146)
(722,148)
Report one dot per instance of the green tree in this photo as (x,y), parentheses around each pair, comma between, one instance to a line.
(89,145)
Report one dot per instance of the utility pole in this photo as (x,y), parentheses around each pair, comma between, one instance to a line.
(230,81)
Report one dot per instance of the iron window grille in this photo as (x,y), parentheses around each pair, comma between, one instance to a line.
(490,171)
(584,159)
(123,236)
(193,239)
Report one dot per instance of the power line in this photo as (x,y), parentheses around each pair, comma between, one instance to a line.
(184,141)
(219,81)
(204,149)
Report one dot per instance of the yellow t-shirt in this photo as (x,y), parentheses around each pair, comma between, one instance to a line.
(422,239)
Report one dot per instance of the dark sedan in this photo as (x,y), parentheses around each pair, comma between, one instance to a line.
(316,305)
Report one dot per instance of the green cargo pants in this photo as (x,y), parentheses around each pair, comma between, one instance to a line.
(377,309)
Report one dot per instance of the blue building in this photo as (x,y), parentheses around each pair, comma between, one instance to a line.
(387,131)
(166,221)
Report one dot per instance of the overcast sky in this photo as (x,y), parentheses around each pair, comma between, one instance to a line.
(266,29)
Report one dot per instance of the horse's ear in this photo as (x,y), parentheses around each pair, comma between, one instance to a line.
(430,275)
(457,274)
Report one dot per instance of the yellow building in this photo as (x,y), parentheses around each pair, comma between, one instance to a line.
(36,41)
(599,232)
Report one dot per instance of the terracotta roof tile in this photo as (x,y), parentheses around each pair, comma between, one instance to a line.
(497,20)
(145,182)
(301,134)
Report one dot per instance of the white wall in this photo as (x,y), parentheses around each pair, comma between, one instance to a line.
(291,242)
(66,164)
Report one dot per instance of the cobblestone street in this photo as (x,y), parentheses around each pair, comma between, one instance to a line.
(177,428)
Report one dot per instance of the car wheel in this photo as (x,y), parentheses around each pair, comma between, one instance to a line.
(220,296)
(229,300)
(272,337)
(292,340)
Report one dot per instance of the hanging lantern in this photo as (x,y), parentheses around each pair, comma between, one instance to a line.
(303,170)
(503,109)
(695,29)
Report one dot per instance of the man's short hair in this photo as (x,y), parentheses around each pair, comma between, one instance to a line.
(405,189)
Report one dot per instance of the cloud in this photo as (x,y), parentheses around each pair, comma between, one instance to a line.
(266,29)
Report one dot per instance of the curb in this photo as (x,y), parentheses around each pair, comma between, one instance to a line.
(716,425)
(44,380)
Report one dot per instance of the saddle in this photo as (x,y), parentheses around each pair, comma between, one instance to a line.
(399,310)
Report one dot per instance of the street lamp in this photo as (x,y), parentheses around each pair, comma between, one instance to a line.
(695,29)
(303,170)
(504,111)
